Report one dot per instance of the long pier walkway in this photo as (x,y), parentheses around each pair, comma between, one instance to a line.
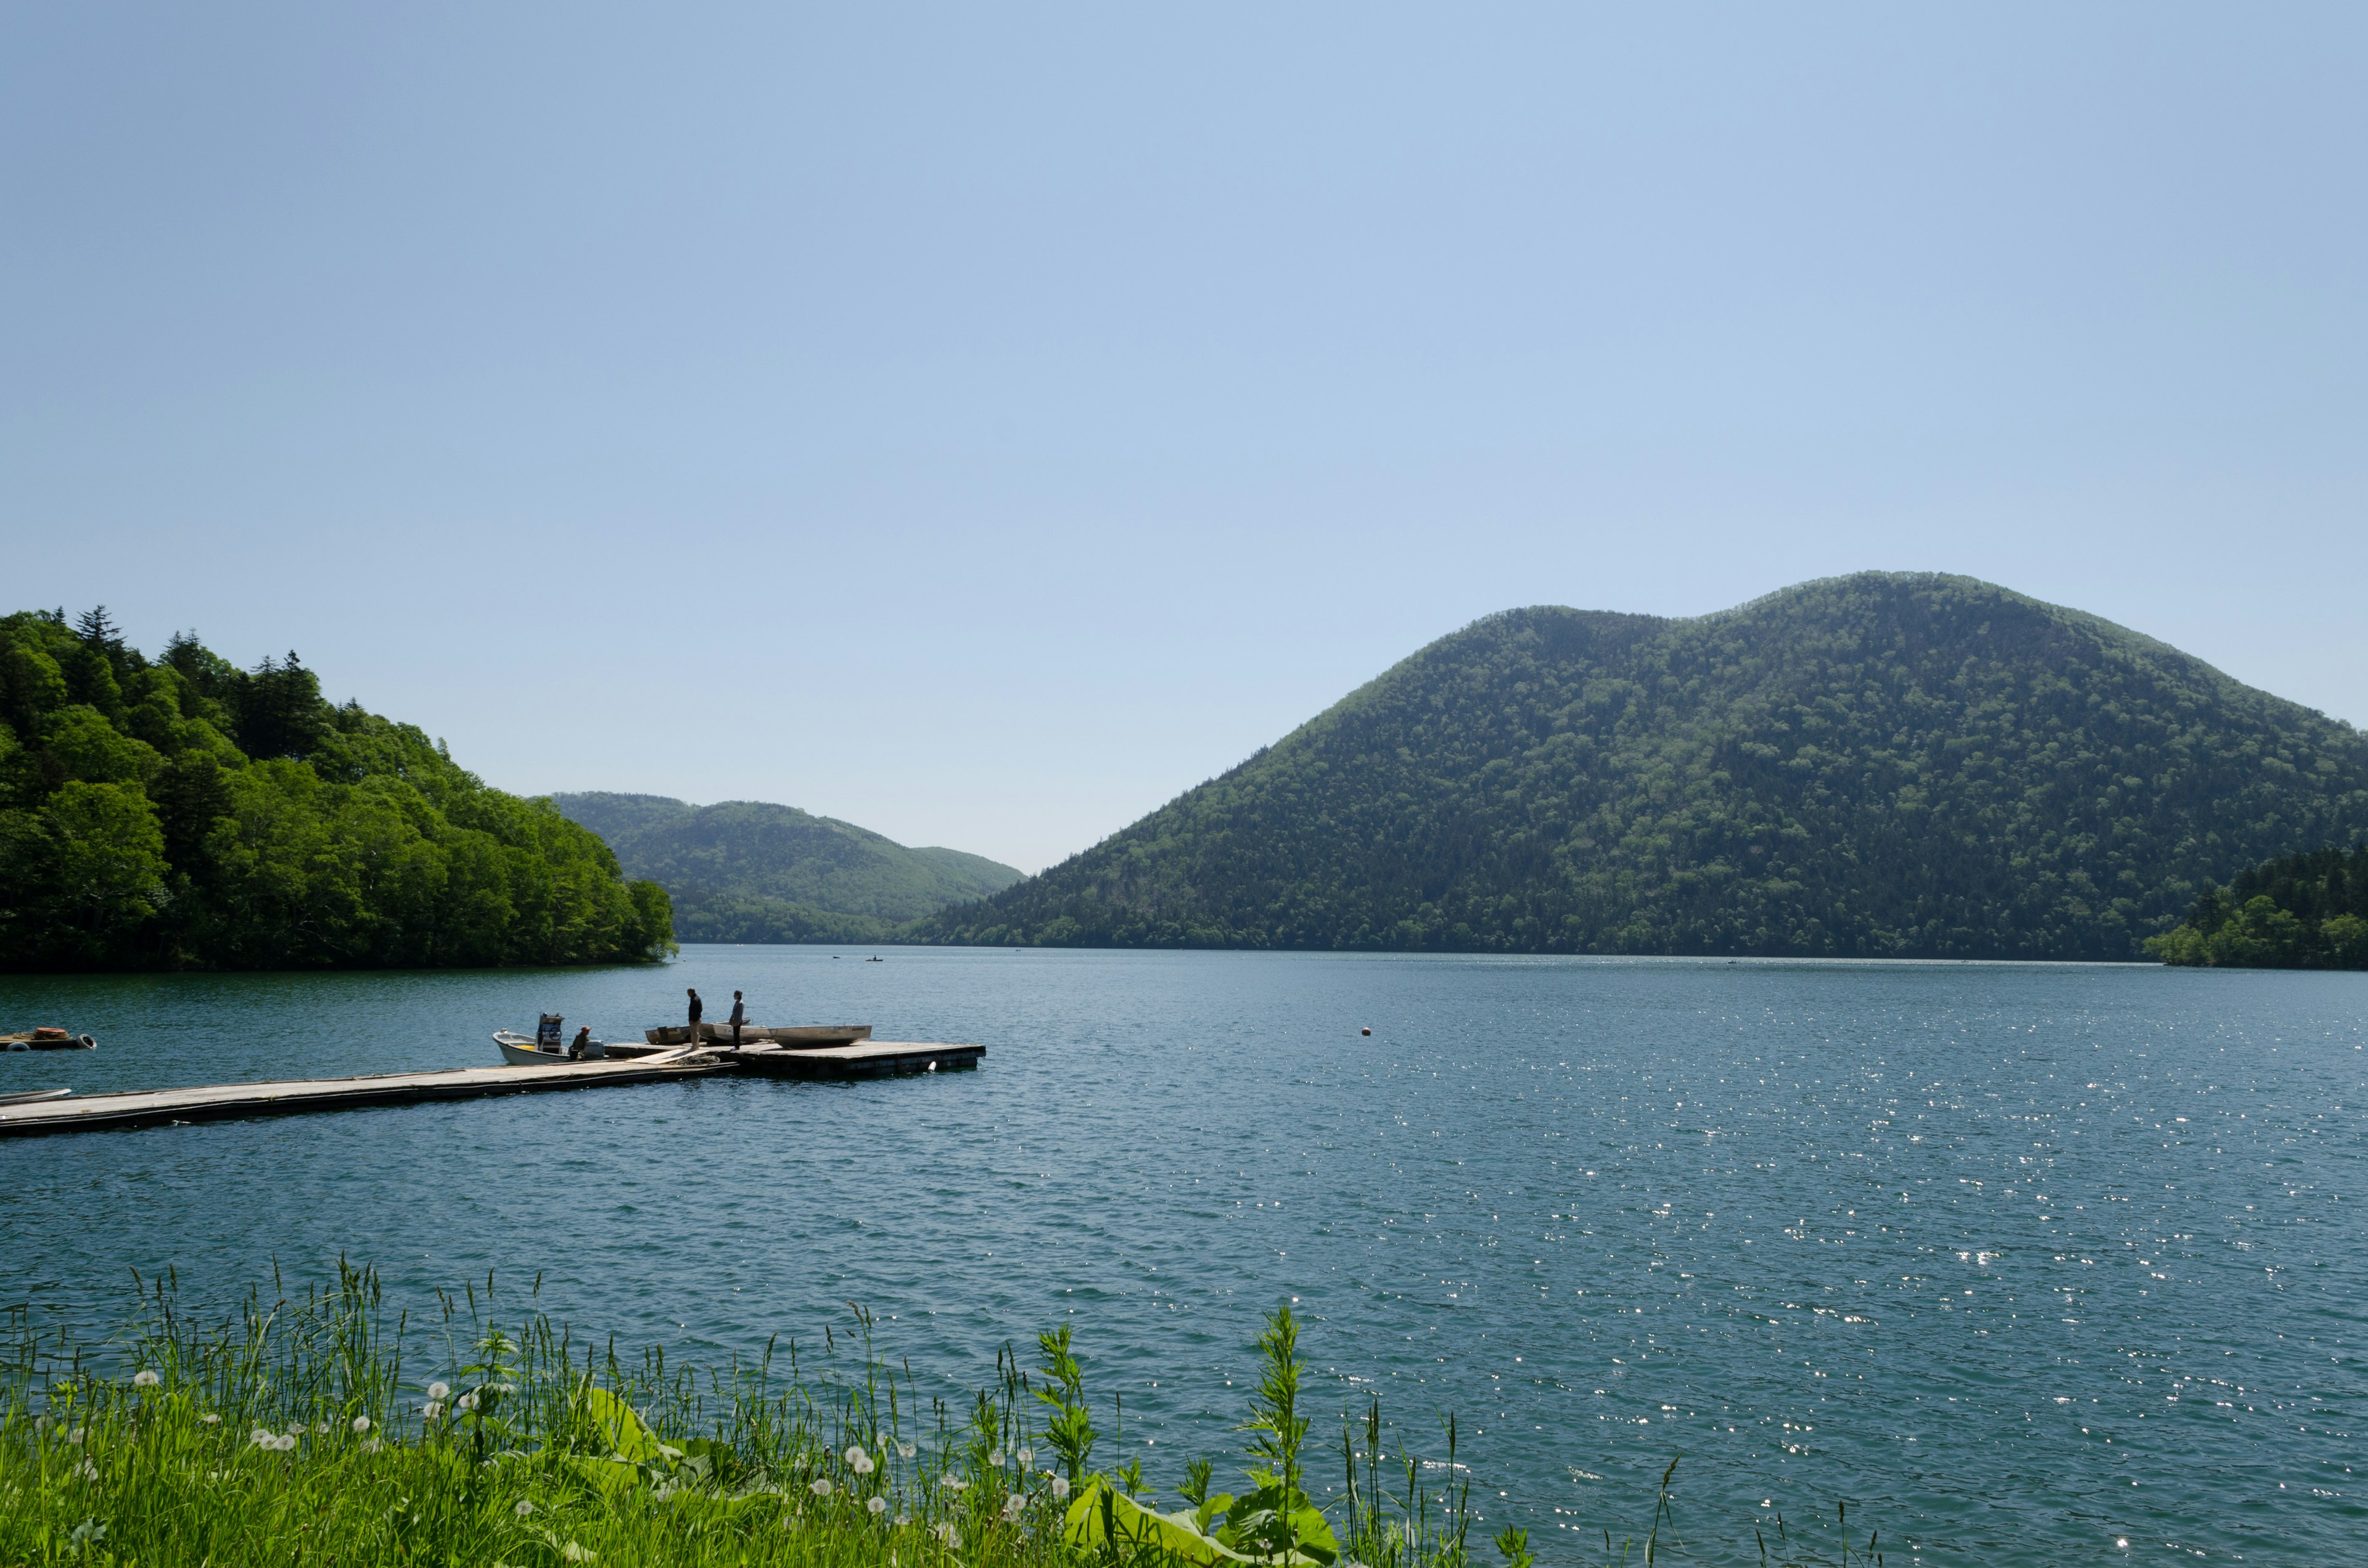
(162,1107)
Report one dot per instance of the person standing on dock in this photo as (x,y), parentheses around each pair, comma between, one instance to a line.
(739,1016)
(695,1009)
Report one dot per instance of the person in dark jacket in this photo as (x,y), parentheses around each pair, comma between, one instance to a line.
(739,1016)
(695,1009)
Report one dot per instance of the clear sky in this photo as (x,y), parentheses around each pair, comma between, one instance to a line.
(982,423)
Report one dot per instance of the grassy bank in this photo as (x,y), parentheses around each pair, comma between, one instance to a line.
(315,1430)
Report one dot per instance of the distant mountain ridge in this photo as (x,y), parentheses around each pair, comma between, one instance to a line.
(1885,765)
(752,871)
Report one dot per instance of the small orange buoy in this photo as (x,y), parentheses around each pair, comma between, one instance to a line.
(1365,1031)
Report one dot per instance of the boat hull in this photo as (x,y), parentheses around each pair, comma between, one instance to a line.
(793,1036)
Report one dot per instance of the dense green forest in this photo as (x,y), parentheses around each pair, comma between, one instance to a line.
(749,872)
(1882,765)
(2306,911)
(181,812)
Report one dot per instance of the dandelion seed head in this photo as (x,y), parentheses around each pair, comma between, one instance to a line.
(145,1379)
(439,1391)
(524,1507)
(210,1419)
(904,1450)
(286,1443)
(370,1447)
(878,1504)
(903,1519)
(260,1437)
(956,1483)
(466,1401)
(995,1458)
(431,1410)
(1060,1486)
(1027,1458)
(361,1423)
(821,1486)
(75,1437)
(946,1533)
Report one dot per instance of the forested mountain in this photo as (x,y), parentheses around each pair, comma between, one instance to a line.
(1881,764)
(181,812)
(2296,912)
(747,871)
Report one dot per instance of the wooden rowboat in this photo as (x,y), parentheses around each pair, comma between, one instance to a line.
(794,1036)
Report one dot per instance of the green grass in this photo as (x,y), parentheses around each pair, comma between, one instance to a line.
(313,1431)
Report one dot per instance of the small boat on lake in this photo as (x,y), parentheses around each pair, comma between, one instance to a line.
(33,1097)
(794,1037)
(545,1049)
(47,1039)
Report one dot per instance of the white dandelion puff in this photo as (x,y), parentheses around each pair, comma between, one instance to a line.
(87,1470)
(261,1438)
(369,1446)
(361,1423)
(1027,1458)
(210,1419)
(286,1443)
(904,1450)
(822,1486)
(878,1504)
(956,1483)
(1060,1486)
(145,1379)
(524,1507)
(439,1391)
(466,1401)
(431,1410)
(903,1519)
(75,1437)
(946,1533)
(1013,1505)
(995,1458)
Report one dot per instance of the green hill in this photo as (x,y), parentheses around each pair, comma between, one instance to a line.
(747,872)
(2306,911)
(182,812)
(1882,765)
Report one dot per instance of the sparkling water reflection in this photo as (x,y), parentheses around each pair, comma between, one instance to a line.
(2019,1260)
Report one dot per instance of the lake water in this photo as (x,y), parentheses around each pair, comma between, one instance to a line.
(2022,1261)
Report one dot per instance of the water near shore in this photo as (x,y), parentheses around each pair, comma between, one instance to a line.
(2020,1261)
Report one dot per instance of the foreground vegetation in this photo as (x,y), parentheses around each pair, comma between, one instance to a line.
(182,812)
(309,1431)
(749,872)
(2298,911)
(1876,765)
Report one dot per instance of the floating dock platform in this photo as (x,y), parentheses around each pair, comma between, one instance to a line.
(226,1102)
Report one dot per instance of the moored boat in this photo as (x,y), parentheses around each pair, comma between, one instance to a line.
(47,1039)
(33,1097)
(792,1036)
(521,1051)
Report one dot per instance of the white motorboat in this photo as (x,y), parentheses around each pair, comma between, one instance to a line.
(521,1051)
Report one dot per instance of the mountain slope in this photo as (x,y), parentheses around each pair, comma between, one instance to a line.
(180,812)
(1882,765)
(748,871)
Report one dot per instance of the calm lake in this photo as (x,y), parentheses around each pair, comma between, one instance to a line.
(2020,1261)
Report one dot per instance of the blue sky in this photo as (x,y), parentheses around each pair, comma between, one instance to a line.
(983,423)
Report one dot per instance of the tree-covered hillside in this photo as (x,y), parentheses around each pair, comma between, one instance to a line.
(748,871)
(181,812)
(2296,912)
(1882,765)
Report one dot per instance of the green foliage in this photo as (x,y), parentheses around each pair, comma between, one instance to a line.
(1876,765)
(747,871)
(185,814)
(2307,911)
(1070,1427)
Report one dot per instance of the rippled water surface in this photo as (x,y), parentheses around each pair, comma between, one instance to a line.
(2022,1262)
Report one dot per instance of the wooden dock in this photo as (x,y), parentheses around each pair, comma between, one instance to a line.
(220,1102)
